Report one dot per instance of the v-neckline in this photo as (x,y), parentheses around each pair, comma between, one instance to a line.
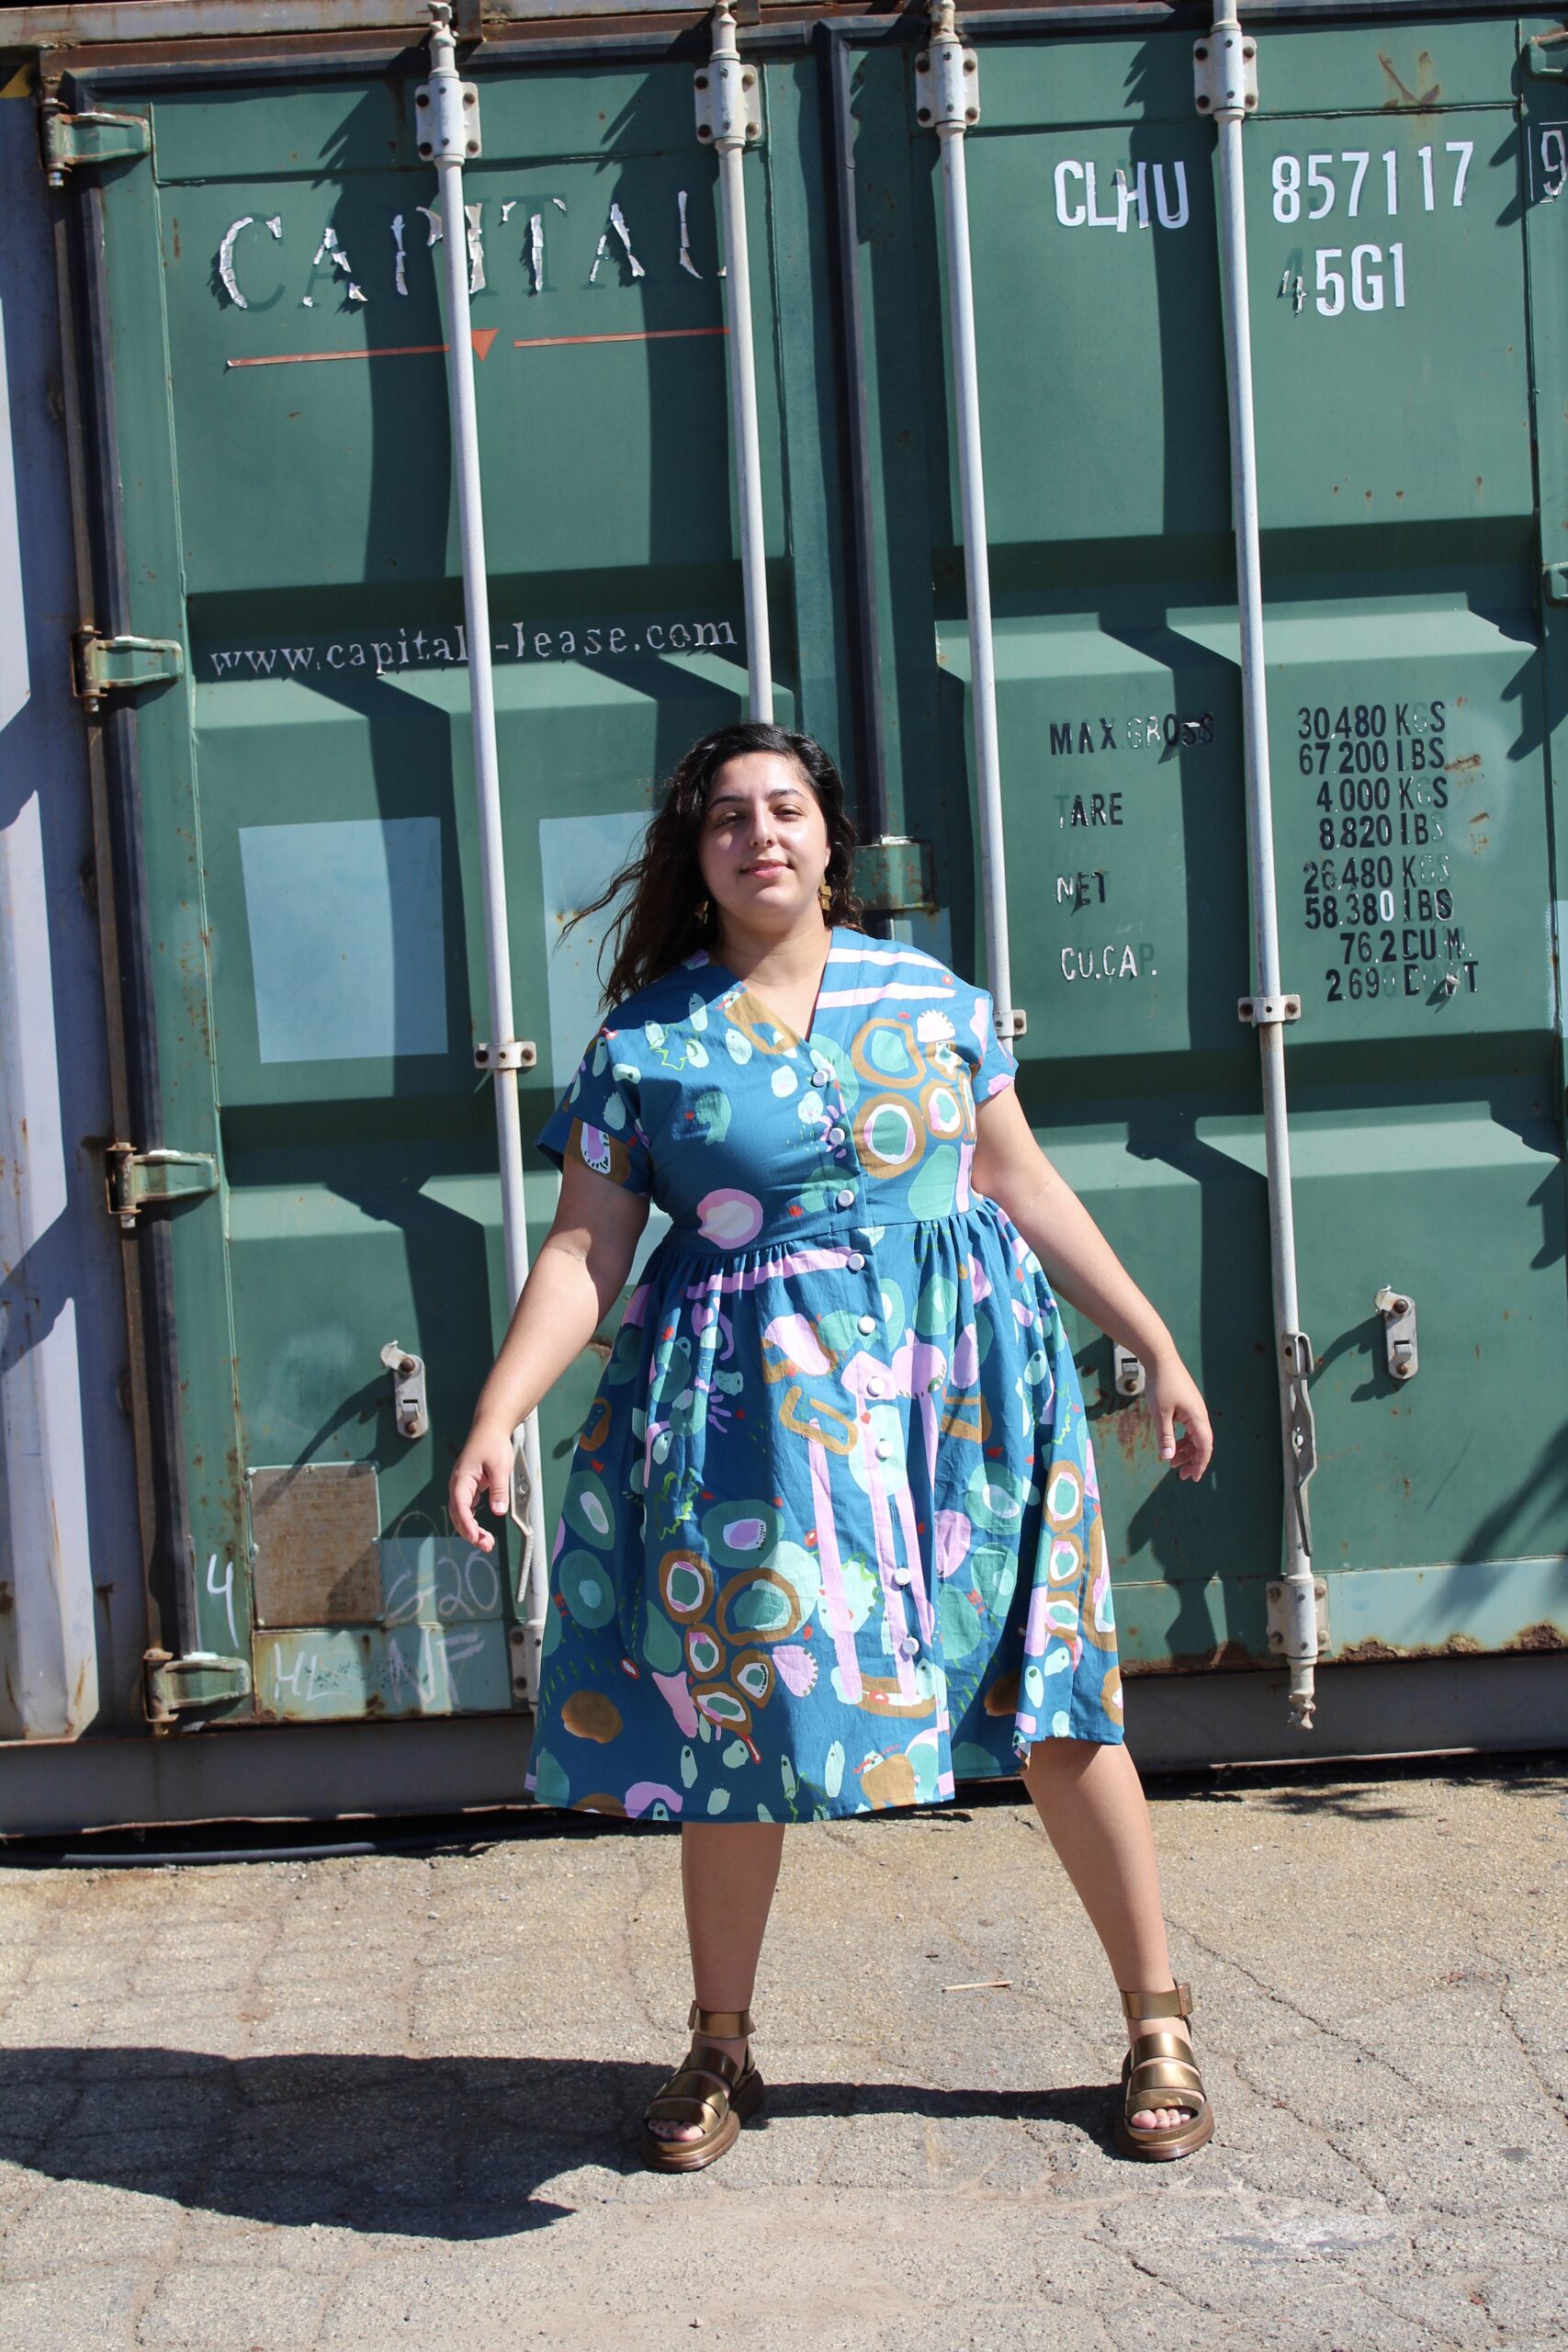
(800,1037)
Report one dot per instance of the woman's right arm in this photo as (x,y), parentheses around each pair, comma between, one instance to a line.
(579,1272)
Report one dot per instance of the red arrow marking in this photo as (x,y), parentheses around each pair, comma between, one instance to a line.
(482,338)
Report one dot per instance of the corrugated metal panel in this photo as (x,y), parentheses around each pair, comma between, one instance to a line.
(71,1606)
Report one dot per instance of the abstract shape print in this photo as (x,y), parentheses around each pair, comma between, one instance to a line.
(832,1533)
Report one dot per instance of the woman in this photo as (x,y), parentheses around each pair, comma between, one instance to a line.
(832,1528)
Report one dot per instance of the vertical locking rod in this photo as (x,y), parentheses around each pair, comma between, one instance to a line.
(1225,75)
(452,135)
(947,101)
(728,116)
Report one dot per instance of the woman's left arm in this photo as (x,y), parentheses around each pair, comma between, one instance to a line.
(1011,1169)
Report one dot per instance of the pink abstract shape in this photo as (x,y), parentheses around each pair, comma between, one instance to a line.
(796,1669)
(953,1538)
(835,1607)
(793,1337)
(675,1691)
(729,1217)
(643,1794)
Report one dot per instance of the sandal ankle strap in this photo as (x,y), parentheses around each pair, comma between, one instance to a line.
(731,2025)
(1176,2003)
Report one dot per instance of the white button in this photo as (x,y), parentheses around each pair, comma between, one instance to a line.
(846,1200)
(909,1646)
(856,1261)
(901,1576)
(835,1134)
(874,1387)
(868,1322)
(821,1078)
(883,1452)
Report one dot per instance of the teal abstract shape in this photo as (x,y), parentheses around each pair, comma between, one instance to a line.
(709,1122)
(586,1587)
(961,1622)
(550,1784)
(933,1189)
(936,1307)
(661,1644)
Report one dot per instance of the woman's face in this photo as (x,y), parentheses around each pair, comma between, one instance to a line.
(763,843)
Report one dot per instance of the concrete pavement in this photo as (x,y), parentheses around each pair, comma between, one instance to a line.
(393,2100)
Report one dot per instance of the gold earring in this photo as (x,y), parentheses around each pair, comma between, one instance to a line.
(705,911)
(825,893)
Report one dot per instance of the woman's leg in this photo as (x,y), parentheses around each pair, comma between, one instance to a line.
(728,1870)
(1091,1800)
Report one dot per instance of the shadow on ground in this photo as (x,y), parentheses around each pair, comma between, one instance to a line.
(455,2148)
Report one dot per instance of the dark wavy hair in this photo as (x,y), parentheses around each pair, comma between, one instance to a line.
(658,924)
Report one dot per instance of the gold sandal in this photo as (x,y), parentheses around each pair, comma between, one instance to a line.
(1160,2070)
(720,2096)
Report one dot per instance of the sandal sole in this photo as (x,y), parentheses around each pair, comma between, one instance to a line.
(692,2155)
(1148,2147)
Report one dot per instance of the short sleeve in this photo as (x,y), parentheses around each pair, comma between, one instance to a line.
(597,1119)
(994,1066)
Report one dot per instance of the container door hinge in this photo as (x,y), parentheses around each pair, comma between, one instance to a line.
(1554,584)
(106,663)
(896,876)
(1128,1371)
(200,1678)
(1546,57)
(135,1180)
(1279,1612)
(1399,1332)
(71,140)
(1302,1431)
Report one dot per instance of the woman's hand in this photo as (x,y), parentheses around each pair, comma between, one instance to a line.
(1171,1394)
(483,1468)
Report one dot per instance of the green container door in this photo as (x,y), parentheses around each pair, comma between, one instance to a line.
(284,462)
(284,450)
(1392,209)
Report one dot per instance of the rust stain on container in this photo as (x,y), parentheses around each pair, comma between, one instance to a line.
(1421,101)
(1375,1651)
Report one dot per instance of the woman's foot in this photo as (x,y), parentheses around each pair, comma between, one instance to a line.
(663,2130)
(1157,2118)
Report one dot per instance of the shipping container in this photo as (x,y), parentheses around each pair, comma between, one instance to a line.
(1137,448)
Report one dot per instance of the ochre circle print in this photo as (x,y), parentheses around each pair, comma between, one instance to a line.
(885,1053)
(890,1133)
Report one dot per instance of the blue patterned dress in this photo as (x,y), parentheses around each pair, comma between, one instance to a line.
(832,1533)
